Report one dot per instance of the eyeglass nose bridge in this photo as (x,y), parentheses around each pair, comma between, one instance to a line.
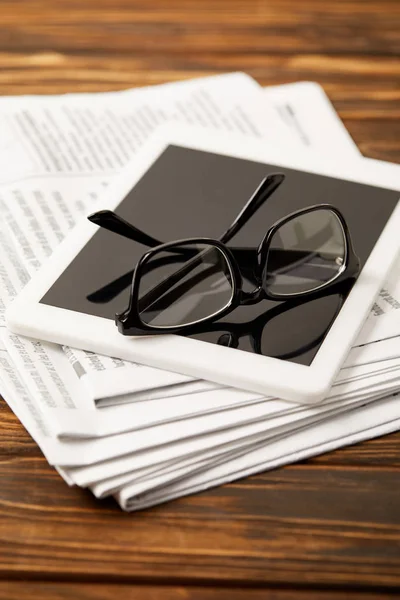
(262,253)
(253,297)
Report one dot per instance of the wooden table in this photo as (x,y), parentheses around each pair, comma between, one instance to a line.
(313,530)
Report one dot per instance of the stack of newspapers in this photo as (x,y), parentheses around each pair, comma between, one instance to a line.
(132,431)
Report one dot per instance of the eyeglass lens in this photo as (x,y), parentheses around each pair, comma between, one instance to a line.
(305,253)
(184,285)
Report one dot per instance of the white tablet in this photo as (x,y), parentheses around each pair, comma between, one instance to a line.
(187,184)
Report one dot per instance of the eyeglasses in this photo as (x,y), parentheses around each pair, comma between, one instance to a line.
(181,286)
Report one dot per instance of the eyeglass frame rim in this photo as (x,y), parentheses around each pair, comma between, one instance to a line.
(130,323)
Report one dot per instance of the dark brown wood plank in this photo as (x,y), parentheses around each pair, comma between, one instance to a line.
(134,26)
(380,451)
(301,525)
(72,591)
(14,440)
(376,138)
(364,85)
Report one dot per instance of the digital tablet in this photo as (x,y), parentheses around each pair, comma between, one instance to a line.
(187,183)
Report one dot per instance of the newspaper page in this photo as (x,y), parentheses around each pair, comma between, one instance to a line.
(63,151)
(168,441)
(349,428)
(303,107)
(40,212)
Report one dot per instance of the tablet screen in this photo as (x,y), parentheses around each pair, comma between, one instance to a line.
(191,193)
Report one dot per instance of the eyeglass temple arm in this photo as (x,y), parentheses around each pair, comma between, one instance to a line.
(115,287)
(112,222)
(266,188)
(280,259)
(112,289)
(106,219)
(116,224)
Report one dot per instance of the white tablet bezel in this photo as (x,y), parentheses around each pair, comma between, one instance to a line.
(227,366)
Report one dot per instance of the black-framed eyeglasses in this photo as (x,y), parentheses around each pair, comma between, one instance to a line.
(181,286)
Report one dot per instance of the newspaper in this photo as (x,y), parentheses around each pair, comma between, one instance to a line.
(52,389)
(47,191)
(164,460)
(378,419)
(170,440)
(43,206)
(70,416)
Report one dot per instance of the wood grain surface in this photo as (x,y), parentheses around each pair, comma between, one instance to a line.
(326,528)
(87,591)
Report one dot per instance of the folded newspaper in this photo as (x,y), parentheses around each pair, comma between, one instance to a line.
(142,434)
